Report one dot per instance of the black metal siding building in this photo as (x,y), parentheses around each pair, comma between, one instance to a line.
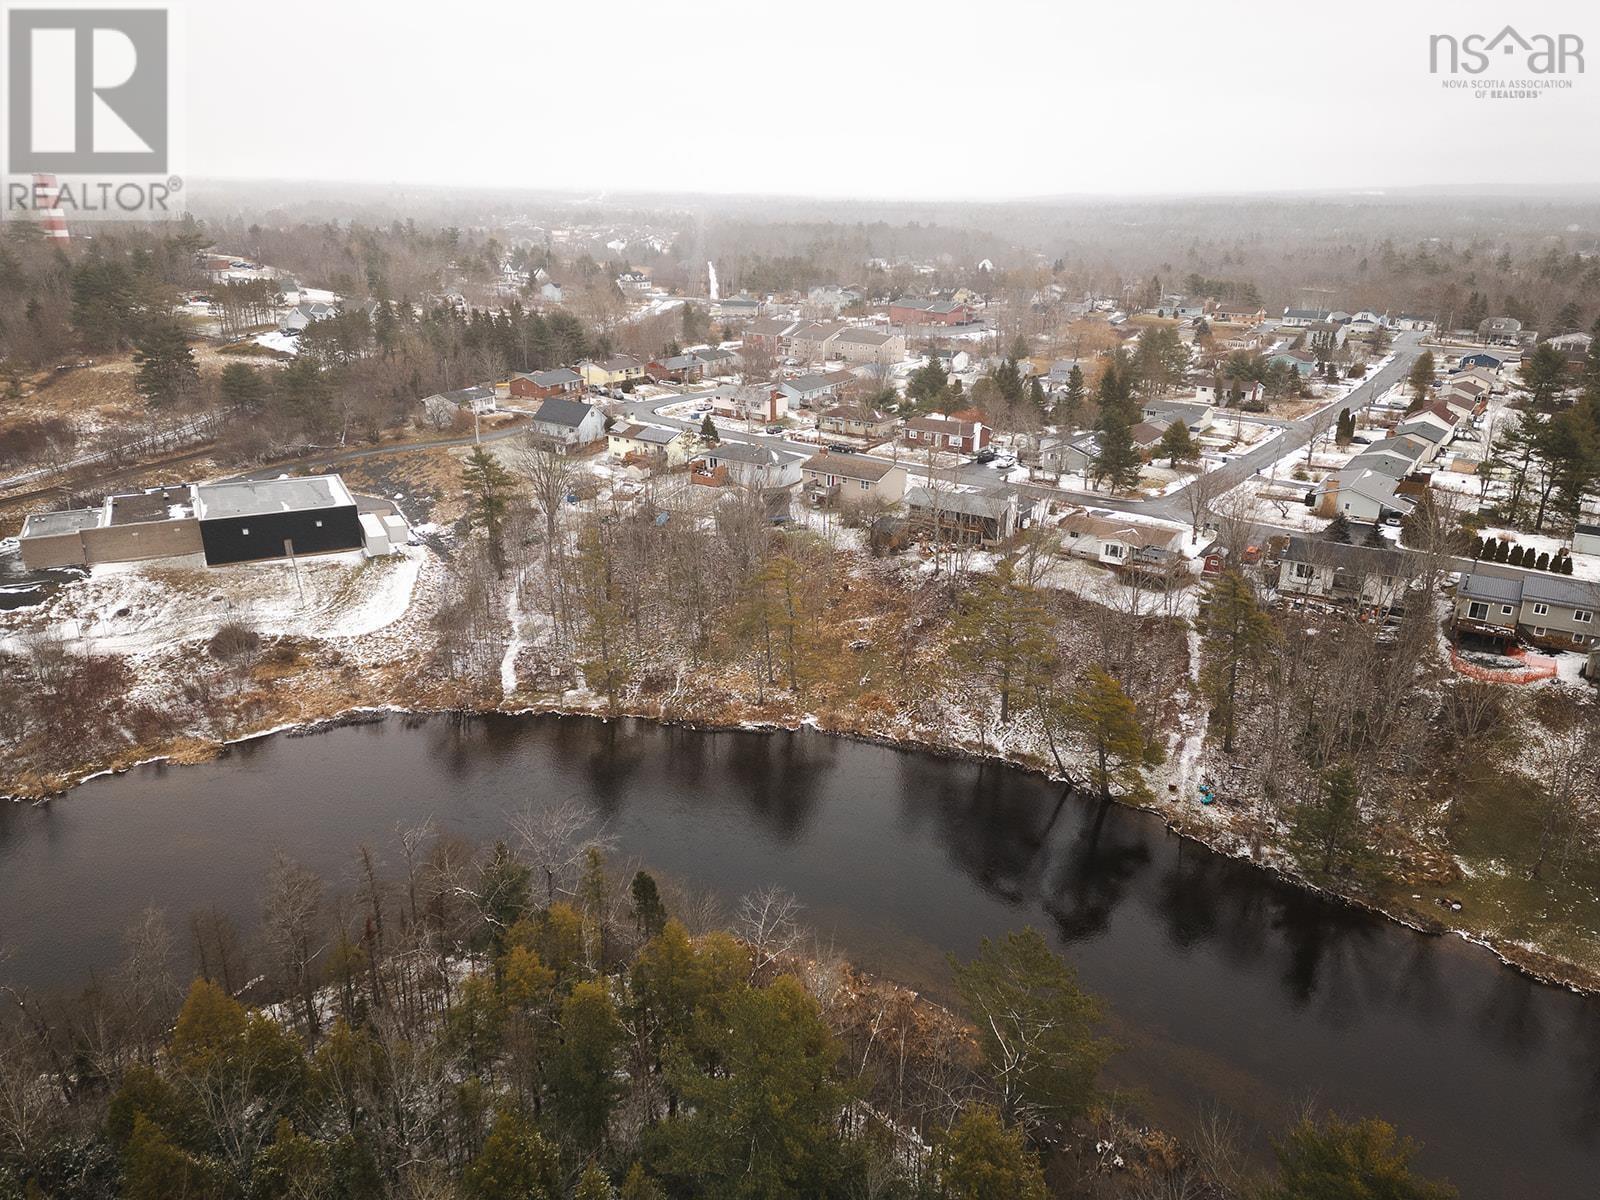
(263,536)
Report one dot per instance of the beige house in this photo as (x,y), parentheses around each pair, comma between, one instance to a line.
(870,346)
(813,342)
(845,479)
(851,420)
(649,443)
(619,368)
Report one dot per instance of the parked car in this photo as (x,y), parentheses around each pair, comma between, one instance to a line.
(775,429)
(1004,462)
(986,455)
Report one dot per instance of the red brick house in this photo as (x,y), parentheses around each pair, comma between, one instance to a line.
(545,385)
(942,433)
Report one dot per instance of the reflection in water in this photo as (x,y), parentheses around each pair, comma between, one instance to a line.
(1230,981)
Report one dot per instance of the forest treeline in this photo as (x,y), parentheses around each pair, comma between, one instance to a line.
(513,1022)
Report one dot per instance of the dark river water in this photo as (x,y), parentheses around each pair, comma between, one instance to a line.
(1223,983)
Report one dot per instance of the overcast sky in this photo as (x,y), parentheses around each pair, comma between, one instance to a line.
(879,98)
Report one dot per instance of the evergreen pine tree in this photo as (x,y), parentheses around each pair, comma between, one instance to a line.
(1338,529)
(488,487)
(166,368)
(708,431)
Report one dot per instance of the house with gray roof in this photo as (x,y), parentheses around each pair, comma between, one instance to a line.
(1557,612)
(979,518)
(1372,577)
(569,423)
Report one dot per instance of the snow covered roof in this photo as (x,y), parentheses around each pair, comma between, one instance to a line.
(256,497)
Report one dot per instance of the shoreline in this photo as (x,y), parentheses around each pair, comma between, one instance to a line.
(1541,968)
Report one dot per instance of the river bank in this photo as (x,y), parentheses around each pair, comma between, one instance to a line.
(1219,838)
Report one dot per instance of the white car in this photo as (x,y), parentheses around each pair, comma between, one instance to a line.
(1004,462)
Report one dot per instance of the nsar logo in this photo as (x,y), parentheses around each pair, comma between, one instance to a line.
(1541,54)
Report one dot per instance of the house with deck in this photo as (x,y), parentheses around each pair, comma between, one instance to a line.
(1506,605)
(983,518)
(1365,577)
(848,479)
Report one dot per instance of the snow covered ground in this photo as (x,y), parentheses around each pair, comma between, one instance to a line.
(147,608)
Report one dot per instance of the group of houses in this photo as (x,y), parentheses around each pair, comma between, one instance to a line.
(1385,480)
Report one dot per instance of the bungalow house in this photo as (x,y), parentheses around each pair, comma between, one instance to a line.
(612,372)
(649,443)
(747,464)
(678,368)
(569,423)
(541,385)
(852,420)
(1431,426)
(1301,318)
(738,308)
(480,398)
(1239,314)
(1330,334)
(942,433)
(1557,612)
(1225,392)
(852,478)
(807,391)
(1489,360)
(1061,372)
(1120,540)
(1196,415)
(1361,494)
(1303,362)
(1573,346)
(1365,576)
(982,518)
(861,345)
(1413,322)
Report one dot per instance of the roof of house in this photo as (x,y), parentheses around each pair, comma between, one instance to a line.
(258,497)
(1368,560)
(849,466)
(809,383)
(944,425)
(678,362)
(855,412)
(865,337)
(1307,314)
(653,435)
(617,362)
(770,326)
(1105,524)
(1147,433)
(972,504)
(557,411)
(746,452)
(554,378)
(1479,585)
(466,395)
(714,354)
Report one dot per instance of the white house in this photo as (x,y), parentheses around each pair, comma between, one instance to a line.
(570,423)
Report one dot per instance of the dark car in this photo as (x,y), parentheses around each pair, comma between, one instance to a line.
(839,448)
(986,455)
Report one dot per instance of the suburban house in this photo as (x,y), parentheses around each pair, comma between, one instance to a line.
(1586,538)
(612,372)
(633,283)
(807,391)
(746,465)
(954,361)
(297,318)
(1301,318)
(1505,331)
(649,443)
(983,518)
(738,308)
(812,341)
(852,420)
(944,433)
(1224,392)
(1361,493)
(1366,576)
(1120,540)
(852,478)
(771,334)
(679,368)
(541,385)
(1197,416)
(930,312)
(1303,362)
(1413,322)
(715,361)
(1557,612)
(480,398)
(1239,314)
(1489,360)
(860,345)
(247,521)
(749,402)
(1147,435)
(569,423)
(1330,334)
